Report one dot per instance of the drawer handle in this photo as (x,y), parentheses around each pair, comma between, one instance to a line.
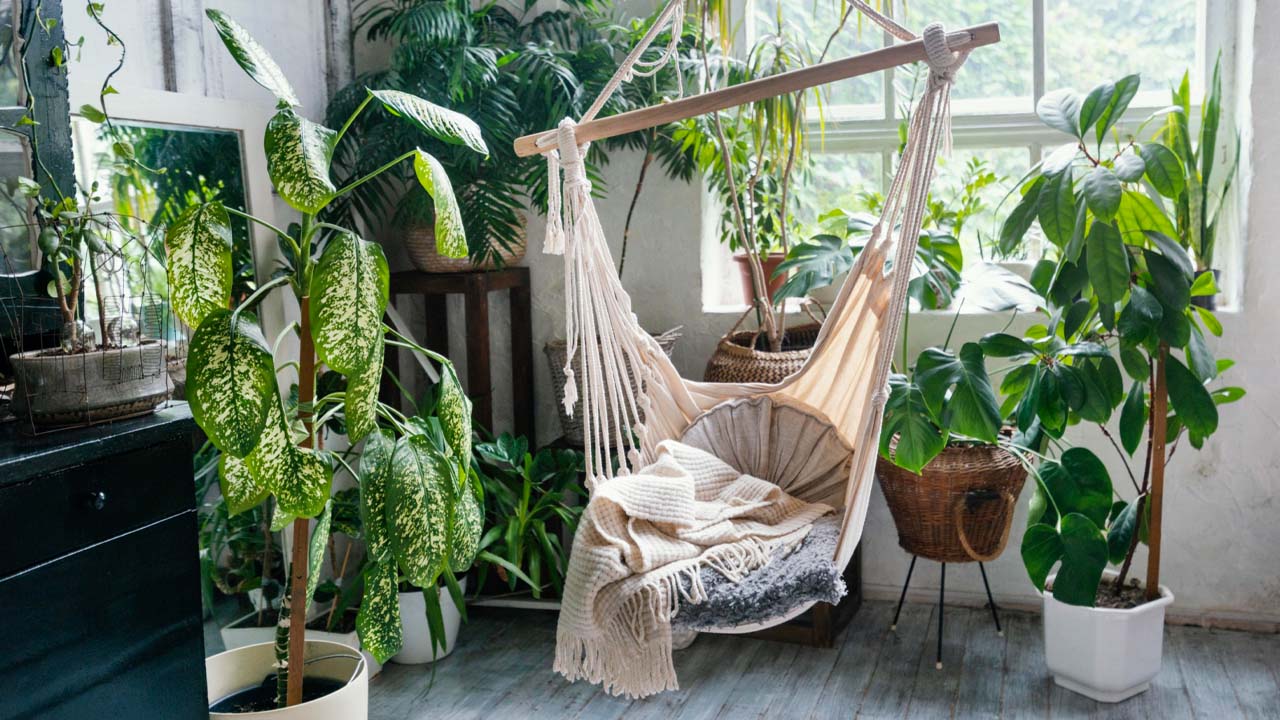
(96,500)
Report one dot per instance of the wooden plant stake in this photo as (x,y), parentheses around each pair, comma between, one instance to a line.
(1159,423)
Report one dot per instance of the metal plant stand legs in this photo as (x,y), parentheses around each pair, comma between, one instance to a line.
(942,588)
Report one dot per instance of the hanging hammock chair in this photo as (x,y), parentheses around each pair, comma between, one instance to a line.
(815,434)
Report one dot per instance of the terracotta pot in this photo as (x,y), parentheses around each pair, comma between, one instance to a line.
(771,263)
(420,243)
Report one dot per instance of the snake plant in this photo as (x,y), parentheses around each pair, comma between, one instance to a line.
(419,499)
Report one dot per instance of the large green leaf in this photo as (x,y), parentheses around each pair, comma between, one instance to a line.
(451,237)
(375,475)
(300,478)
(1101,189)
(1108,263)
(240,489)
(1139,214)
(1190,399)
(378,622)
(1164,169)
(1084,558)
(1094,105)
(349,287)
(1079,483)
(1140,316)
(454,411)
(361,407)
(1041,550)
(1056,207)
(1133,417)
(907,418)
(1173,252)
(315,549)
(1015,226)
(441,123)
(419,497)
(1125,89)
(466,527)
(1005,345)
(1199,357)
(1120,533)
(232,381)
(1060,110)
(198,260)
(1172,286)
(972,409)
(299,153)
(252,57)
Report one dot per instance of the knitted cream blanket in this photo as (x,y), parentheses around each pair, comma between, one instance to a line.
(637,554)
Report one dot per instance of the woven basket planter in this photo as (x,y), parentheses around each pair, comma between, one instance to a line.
(558,351)
(961,508)
(420,244)
(734,360)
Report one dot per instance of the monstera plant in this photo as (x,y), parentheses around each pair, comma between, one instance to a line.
(421,503)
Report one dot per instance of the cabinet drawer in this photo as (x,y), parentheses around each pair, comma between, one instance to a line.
(51,515)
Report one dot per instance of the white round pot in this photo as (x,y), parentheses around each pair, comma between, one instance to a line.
(1103,653)
(237,669)
(417,634)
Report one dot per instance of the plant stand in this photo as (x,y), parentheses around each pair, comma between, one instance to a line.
(475,287)
(942,588)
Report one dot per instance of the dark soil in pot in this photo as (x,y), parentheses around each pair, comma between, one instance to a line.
(262,698)
(1130,596)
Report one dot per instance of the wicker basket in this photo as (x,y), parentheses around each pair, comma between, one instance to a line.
(557,351)
(961,508)
(734,361)
(420,244)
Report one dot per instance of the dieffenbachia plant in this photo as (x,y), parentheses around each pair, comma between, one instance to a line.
(1117,286)
(421,502)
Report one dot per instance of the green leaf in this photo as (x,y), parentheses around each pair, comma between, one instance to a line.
(378,622)
(1101,189)
(92,114)
(451,237)
(466,528)
(1120,533)
(1204,285)
(972,409)
(1129,167)
(315,550)
(300,478)
(1108,263)
(1125,89)
(1227,395)
(240,489)
(1173,252)
(1060,110)
(1175,328)
(1133,417)
(299,153)
(1164,169)
(198,262)
(1200,357)
(232,380)
(1056,207)
(419,497)
(1005,345)
(1190,399)
(1140,316)
(361,407)
(454,411)
(1079,483)
(1041,550)
(1172,287)
(253,58)
(439,122)
(349,287)
(1139,214)
(1210,320)
(907,417)
(375,476)
(1094,105)
(1084,557)
(1135,362)
(1021,217)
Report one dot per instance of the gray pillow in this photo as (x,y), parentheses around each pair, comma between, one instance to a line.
(787,582)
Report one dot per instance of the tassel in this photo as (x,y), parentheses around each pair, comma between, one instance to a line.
(554,242)
(570,390)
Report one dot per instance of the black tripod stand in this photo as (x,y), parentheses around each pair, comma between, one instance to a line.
(942,587)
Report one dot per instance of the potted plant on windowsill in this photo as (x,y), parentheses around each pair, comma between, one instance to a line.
(412,490)
(1117,294)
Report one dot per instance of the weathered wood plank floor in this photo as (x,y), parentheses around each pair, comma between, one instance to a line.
(502,669)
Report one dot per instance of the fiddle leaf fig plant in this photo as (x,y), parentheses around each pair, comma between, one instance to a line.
(419,501)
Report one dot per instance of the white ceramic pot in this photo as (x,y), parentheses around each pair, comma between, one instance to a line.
(417,634)
(351,639)
(1102,653)
(234,670)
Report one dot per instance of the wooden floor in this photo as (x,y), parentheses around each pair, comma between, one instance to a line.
(502,669)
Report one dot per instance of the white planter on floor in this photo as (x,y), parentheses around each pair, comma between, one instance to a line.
(239,634)
(234,670)
(417,634)
(1102,653)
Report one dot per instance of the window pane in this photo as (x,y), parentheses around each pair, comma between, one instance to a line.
(10,88)
(972,183)
(837,181)
(999,75)
(811,23)
(17,238)
(1095,41)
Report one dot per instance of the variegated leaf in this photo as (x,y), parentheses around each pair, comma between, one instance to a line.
(419,497)
(315,550)
(375,474)
(451,238)
(454,411)
(280,520)
(252,57)
(301,479)
(349,289)
(232,382)
(298,156)
(197,250)
(362,398)
(378,622)
(240,488)
(439,122)
(467,527)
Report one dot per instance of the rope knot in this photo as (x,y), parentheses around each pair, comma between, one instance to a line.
(942,60)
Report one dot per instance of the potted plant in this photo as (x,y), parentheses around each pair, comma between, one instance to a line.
(513,72)
(1117,292)
(533,500)
(419,508)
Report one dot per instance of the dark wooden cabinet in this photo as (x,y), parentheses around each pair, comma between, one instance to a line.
(99,576)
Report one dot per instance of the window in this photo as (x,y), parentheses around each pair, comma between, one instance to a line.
(1046,44)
